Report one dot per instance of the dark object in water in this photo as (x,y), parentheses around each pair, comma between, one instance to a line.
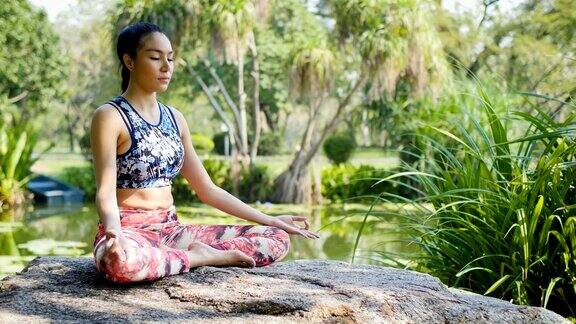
(51,191)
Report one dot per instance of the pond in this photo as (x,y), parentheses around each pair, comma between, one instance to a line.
(70,230)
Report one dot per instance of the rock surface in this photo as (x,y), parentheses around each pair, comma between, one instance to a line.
(54,289)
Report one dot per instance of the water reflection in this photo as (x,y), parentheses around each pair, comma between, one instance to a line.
(70,230)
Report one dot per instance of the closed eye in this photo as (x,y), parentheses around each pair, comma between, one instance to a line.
(157,58)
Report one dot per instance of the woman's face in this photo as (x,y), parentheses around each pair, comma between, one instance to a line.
(154,64)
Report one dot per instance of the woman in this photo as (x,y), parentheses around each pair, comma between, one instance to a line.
(139,145)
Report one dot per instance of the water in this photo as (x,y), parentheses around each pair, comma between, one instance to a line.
(70,230)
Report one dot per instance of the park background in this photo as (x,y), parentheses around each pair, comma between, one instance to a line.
(436,136)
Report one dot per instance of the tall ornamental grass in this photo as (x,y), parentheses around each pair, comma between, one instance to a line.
(498,215)
(18,139)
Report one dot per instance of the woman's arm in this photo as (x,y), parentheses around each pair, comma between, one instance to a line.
(209,193)
(104,133)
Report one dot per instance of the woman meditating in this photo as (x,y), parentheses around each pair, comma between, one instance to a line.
(139,145)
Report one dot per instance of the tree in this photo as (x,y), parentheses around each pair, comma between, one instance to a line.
(30,57)
(91,64)
(383,43)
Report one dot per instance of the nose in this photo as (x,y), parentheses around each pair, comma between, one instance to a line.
(166,66)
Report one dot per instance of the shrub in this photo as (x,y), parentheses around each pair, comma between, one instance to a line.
(360,183)
(219,172)
(219,140)
(256,184)
(83,178)
(85,147)
(270,144)
(202,143)
(339,148)
(502,221)
(17,142)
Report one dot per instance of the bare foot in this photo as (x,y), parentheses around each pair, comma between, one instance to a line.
(202,255)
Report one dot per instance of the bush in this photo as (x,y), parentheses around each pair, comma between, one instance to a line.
(344,182)
(83,178)
(501,220)
(85,146)
(270,144)
(202,143)
(256,184)
(18,139)
(219,139)
(219,172)
(339,148)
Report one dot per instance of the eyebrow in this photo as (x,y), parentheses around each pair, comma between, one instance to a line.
(157,50)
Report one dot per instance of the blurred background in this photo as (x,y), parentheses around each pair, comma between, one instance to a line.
(431,135)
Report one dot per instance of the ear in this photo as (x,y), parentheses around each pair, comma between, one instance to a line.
(128,61)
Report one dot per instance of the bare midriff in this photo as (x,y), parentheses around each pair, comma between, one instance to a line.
(145,198)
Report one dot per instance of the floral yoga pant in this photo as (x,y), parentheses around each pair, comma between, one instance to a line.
(159,242)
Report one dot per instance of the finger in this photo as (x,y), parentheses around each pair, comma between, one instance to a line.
(109,243)
(117,251)
(111,233)
(121,253)
(302,219)
(314,235)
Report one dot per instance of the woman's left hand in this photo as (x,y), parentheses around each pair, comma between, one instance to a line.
(293,228)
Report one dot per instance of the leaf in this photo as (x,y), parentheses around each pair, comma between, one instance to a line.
(497,284)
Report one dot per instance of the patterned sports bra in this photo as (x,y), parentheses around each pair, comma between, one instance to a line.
(156,153)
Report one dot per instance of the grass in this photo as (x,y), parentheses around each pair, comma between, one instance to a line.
(502,218)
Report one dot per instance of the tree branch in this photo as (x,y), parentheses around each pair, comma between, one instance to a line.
(234,136)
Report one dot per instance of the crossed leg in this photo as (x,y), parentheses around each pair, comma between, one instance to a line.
(151,256)
(263,244)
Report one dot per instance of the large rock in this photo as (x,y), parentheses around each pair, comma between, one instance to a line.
(53,289)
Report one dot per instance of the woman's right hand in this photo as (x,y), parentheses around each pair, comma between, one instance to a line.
(116,244)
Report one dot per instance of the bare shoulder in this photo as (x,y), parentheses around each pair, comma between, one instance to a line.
(106,117)
(104,111)
(177,114)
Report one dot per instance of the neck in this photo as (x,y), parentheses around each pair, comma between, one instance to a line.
(140,99)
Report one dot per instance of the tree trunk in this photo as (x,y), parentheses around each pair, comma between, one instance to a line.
(234,140)
(70,128)
(242,107)
(256,76)
(293,185)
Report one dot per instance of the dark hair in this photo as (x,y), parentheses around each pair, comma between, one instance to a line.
(128,42)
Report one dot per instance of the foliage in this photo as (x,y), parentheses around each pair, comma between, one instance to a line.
(17,142)
(346,182)
(339,147)
(202,143)
(83,178)
(219,143)
(30,57)
(501,221)
(92,76)
(85,146)
(397,42)
(219,172)
(270,144)
(256,184)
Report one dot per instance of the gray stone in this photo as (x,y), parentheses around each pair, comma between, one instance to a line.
(56,289)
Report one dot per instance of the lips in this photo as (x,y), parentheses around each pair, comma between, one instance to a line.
(163,79)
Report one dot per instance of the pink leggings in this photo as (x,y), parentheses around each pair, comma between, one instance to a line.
(158,244)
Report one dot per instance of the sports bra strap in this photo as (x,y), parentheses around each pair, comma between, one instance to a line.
(173,119)
(123,115)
